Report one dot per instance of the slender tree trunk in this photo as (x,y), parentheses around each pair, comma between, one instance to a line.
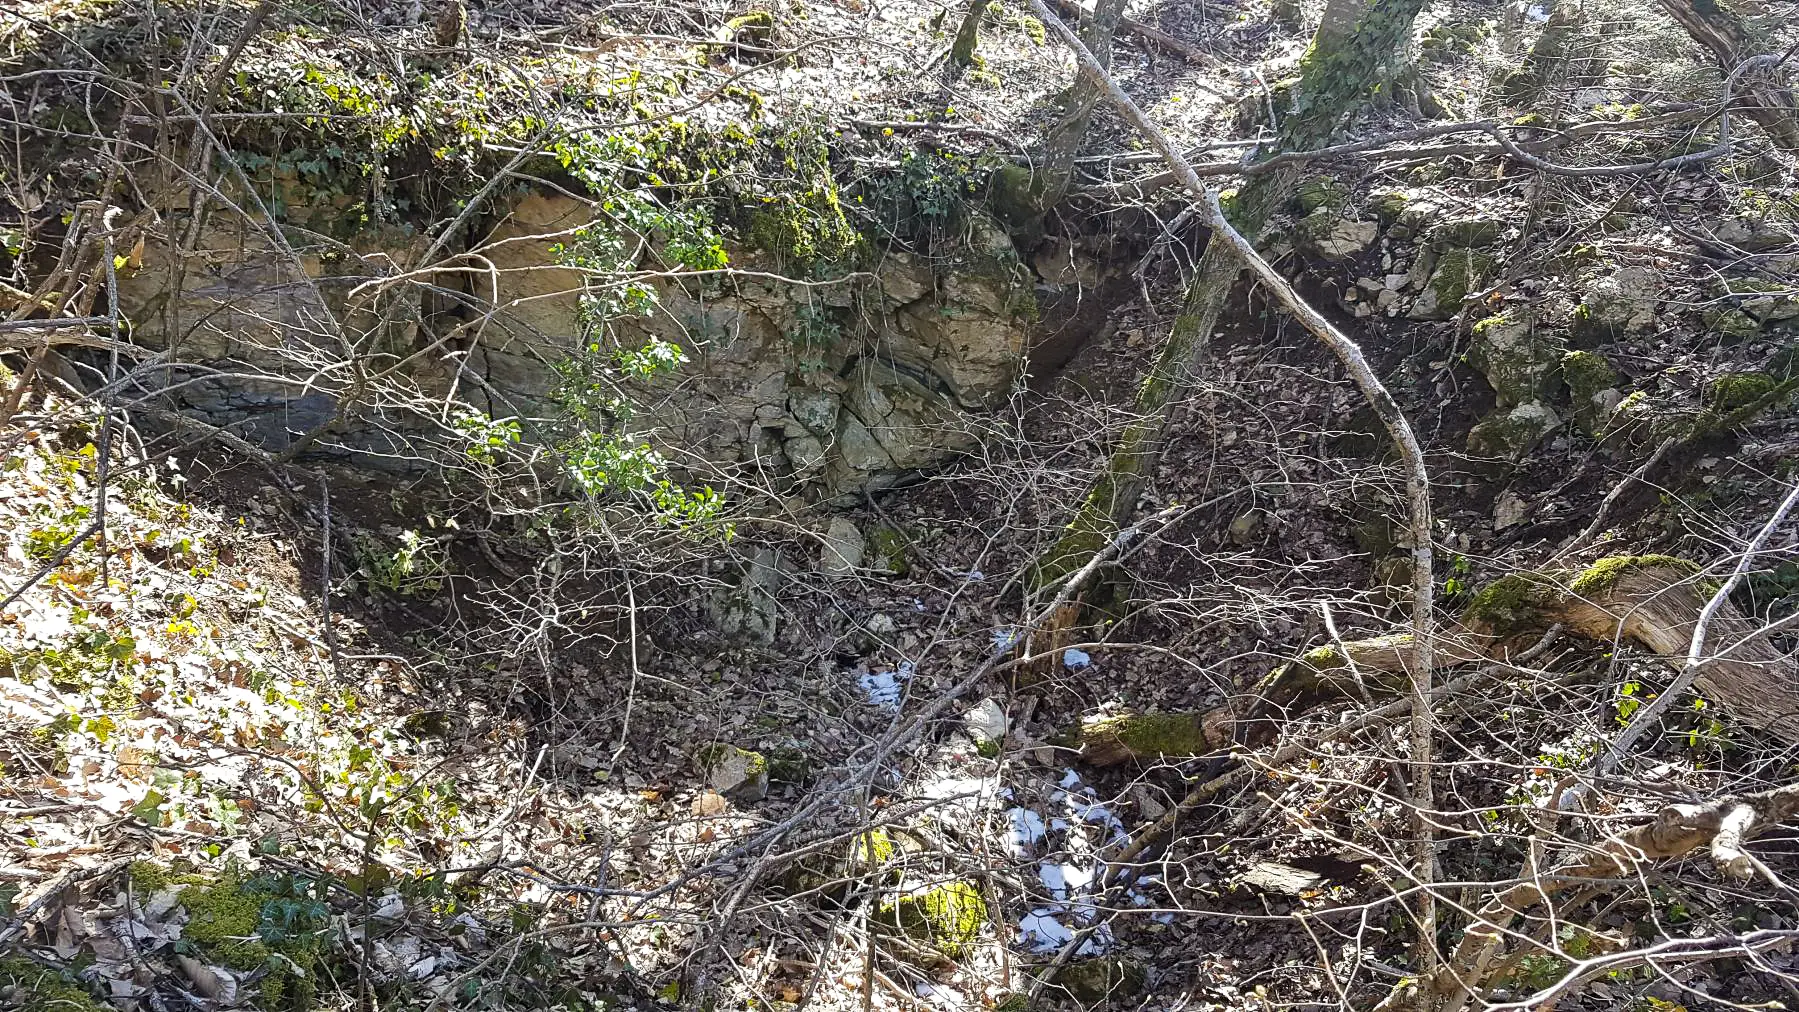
(1354,36)
(1759,79)
(968,35)
(1063,144)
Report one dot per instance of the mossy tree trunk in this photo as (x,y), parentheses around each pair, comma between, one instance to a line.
(1760,80)
(1353,48)
(968,34)
(1545,63)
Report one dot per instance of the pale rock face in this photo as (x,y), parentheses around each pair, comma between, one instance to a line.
(748,612)
(1332,238)
(843,548)
(1509,511)
(1623,302)
(1512,434)
(1521,362)
(878,377)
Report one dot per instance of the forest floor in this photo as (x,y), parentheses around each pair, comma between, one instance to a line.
(220,787)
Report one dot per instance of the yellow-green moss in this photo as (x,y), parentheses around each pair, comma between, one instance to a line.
(28,986)
(1733,390)
(149,878)
(1459,271)
(948,917)
(1151,734)
(224,920)
(753,27)
(1513,602)
(887,549)
(1587,373)
(806,229)
(872,848)
(1602,575)
(1319,192)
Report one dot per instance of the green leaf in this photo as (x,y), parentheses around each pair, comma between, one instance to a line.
(149,810)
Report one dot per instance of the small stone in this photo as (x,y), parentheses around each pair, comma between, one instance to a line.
(1247,525)
(1095,980)
(709,803)
(1282,879)
(1509,511)
(843,549)
(986,722)
(736,772)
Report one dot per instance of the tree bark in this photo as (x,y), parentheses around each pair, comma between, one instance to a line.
(968,34)
(1064,141)
(1354,34)
(1759,79)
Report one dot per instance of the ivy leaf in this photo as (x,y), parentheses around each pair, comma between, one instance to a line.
(149,810)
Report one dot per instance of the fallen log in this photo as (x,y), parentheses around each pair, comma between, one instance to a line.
(1653,601)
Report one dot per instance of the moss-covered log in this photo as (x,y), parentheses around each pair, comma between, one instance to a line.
(1652,601)
(1142,737)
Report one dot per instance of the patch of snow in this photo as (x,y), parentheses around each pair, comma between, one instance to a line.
(1025,830)
(884,688)
(1040,930)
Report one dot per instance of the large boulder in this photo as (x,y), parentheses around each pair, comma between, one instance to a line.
(1619,304)
(1521,362)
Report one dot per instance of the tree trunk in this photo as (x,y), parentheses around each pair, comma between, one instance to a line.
(1355,34)
(1064,141)
(1759,80)
(968,35)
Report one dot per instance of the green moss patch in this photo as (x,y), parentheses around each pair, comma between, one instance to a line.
(1592,386)
(1513,603)
(1459,271)
(807,229)
(1148,735)
(947,918)
(1319,192)
(29,986)
(1601,576)
(254,924)
(1734,390)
